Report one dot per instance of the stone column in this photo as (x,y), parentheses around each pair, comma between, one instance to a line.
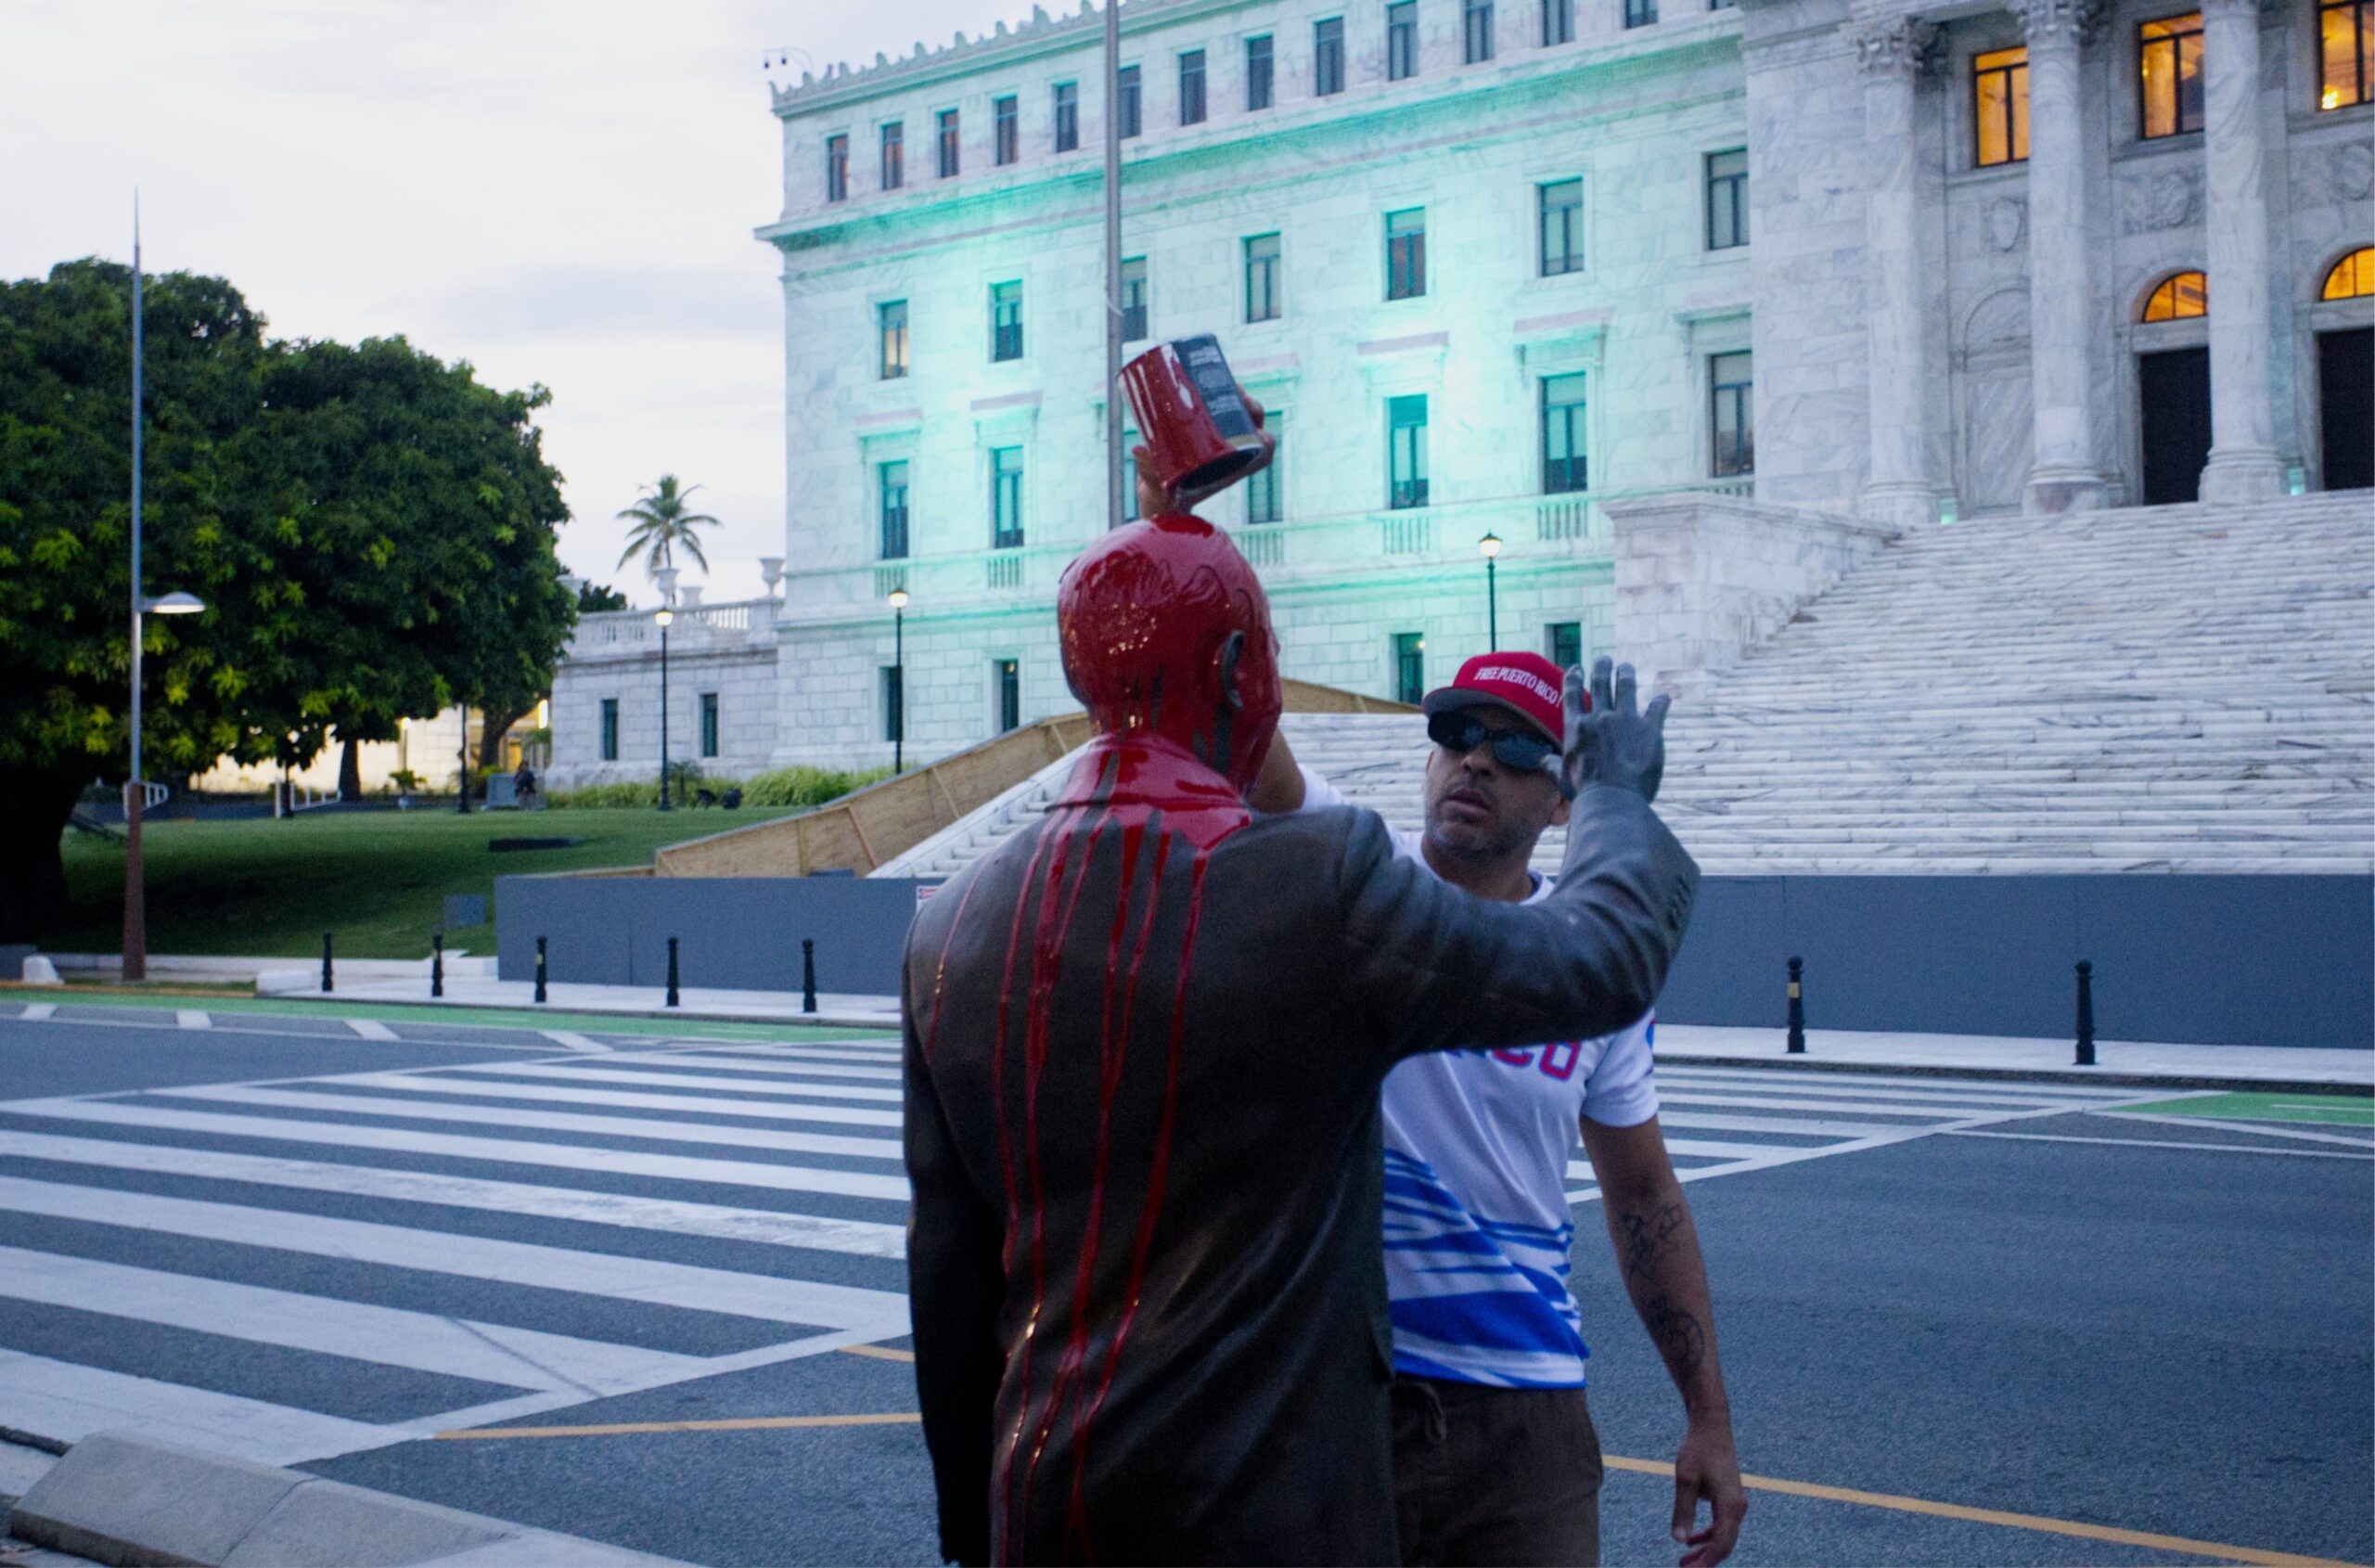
(2243,463)
(2063,476)
(1899,492)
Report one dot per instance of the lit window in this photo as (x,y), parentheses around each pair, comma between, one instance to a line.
(1558,22)
(2169,53)
(1562,226)
(1006,321)
(1731,387)
(837,168)
(1005,497)
(892,317)
(894,155)
(1263,297)
(2178,297)
(948,144)
(1133,299)
(1401,40)
(1476,31)
(1405,440)
(2351,278)
(1405,253)
(2000,89)
(892,478)
(1726,199)
(1006,128)
(2343,48)
(1328,57)
(1266,491)
(1259,64)
(1067,116)
(1640,13)
(1562,434)
(1126,86)
(1191,87)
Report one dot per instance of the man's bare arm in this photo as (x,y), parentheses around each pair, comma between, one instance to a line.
(1657,1247)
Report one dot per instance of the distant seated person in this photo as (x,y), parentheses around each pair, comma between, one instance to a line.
(523,785)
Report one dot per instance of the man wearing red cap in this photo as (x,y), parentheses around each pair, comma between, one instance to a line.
(1495,1458)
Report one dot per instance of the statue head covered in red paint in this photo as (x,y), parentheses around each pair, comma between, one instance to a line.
(1166,633)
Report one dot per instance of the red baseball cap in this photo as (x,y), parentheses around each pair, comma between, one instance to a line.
(1525,684)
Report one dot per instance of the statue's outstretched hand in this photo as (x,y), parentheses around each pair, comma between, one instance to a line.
(1609,740)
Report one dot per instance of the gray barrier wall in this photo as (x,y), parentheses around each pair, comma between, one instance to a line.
(2209,960)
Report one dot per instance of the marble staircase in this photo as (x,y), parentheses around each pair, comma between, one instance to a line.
(2176,690)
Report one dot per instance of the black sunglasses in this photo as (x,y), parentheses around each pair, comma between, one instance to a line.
(1459,732)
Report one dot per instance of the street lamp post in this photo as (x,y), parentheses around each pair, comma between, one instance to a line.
(899,679)
(663,616)
(1491,545)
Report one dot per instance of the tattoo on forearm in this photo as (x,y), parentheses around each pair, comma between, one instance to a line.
(1680,1338)
(1648,1238)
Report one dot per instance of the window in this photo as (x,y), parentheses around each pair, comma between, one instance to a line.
(709,723)
(1405,253)
(1006,130)
(1191,87)
(1067,116)
(1006,321)
(609,729)
(1401,40)
(1130,512)
(1730,386)
(2000,90)
(1263,301)
(1476,31)
(1564,643)
(1726,199)
(1328,57)
(891,318)
(1562,434)
(1259,67)
(1266,491)
(892,478)
(2169,61)
(1127,99)
(1562,226)
(837,168)
(2353,277)
(949,144)
(895,704)
(1409,667)
(1009,673)
(2342,75)
(1558,22)
(2180,296)
(1640,13)
(1005,497)
(1406,445)
(894,155)
(1133,299)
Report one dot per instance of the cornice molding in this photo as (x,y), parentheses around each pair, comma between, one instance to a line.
(1900,46)
(2059,21)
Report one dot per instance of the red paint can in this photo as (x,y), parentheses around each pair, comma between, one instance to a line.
(1191,417)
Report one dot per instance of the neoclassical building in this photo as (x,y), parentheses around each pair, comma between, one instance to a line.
(1496,266)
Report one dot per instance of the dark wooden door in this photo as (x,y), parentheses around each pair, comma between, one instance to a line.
(2175,388)
(2346,406)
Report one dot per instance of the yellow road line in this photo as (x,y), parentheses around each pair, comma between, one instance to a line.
(1998,1516)
(879,1352)
(622,1428)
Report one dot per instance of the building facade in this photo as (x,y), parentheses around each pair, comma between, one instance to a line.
(1494,264)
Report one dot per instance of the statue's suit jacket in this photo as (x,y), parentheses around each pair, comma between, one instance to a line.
(1151,1319)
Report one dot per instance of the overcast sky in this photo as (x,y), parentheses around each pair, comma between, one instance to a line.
(560,191)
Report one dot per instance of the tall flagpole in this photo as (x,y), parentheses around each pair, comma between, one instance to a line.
(1113,453)
(135,892)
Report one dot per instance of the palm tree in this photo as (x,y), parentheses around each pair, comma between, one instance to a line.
(662,523)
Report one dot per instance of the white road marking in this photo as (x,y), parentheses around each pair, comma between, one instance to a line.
(1815,1081)
(190,1018)
(2258,1129)
(783,1070)
(705,1105)
(1943,1110)
(36,1011)
(67,1401)
(501,1150)
(2162,1143)
(370,1028)
(676,1080)
(676,1215)
(570,1040)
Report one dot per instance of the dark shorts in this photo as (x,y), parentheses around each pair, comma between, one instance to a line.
(1494,1475)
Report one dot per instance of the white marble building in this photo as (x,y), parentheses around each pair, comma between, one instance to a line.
(1911,265)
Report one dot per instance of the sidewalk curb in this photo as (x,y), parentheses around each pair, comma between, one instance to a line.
(825,1019)
(133,1502)
(2028,1074)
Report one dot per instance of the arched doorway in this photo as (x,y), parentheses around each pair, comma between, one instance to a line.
(2346,380)
(2173,393)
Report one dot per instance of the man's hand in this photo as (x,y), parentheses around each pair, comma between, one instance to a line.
(1706,1467)
(1610,741)
(1155,498)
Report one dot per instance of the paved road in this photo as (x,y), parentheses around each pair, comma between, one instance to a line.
(326,1241)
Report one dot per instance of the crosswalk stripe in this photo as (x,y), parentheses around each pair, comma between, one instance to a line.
(672,1080)
(550,1121)
(650,1281)
(370,1029)
(1808,1128)
(1941,1111)
(763,1069)
(36,1011)
(500,1151)
(1886,1084)
(857,1238)
(710,1105)
(190,1018)
(68,1401)
(569,1039)
(491,1352)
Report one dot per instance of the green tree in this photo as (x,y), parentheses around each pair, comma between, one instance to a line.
(663,525)
(598,598)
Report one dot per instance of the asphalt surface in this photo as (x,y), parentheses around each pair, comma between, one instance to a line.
(283,1235)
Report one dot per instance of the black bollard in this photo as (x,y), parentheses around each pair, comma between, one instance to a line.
(807,974)
(671,971)
(326,963)
(540,969)
(2085,1013)
(437,965)
(1797,1008)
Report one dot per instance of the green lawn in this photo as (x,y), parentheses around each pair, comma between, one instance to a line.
(378,880)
